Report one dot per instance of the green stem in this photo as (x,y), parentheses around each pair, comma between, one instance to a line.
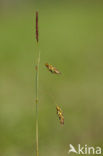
(37,77)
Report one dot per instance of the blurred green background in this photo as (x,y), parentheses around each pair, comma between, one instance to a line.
(71,38)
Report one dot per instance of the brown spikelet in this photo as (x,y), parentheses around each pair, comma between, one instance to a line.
(52,69)
(37,33)
(60,115)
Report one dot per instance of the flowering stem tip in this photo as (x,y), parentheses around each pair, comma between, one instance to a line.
(37,33)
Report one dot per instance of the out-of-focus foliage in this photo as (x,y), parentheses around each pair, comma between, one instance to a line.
(71,36)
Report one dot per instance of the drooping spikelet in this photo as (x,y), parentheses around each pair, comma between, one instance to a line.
(60,115)
(52,69)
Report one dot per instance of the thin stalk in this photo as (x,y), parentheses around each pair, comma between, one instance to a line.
(37,79)
(37,100)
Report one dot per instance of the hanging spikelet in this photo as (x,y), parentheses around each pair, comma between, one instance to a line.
(52,69)
(60,115)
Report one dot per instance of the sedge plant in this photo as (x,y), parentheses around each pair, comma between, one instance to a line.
(53,70)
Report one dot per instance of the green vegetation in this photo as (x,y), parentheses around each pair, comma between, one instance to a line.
(71,37)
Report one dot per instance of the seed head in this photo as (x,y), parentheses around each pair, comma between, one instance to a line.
(60,115)
(52,69)
(37,33)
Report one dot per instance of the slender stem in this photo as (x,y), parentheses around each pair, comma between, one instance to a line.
(37,151)
(37,77)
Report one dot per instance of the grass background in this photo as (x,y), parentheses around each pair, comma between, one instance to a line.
(71,35)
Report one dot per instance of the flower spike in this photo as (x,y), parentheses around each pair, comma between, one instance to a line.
(52,69)
(60,115)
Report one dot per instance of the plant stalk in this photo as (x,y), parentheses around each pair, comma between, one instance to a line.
(37,101)
(37,79)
